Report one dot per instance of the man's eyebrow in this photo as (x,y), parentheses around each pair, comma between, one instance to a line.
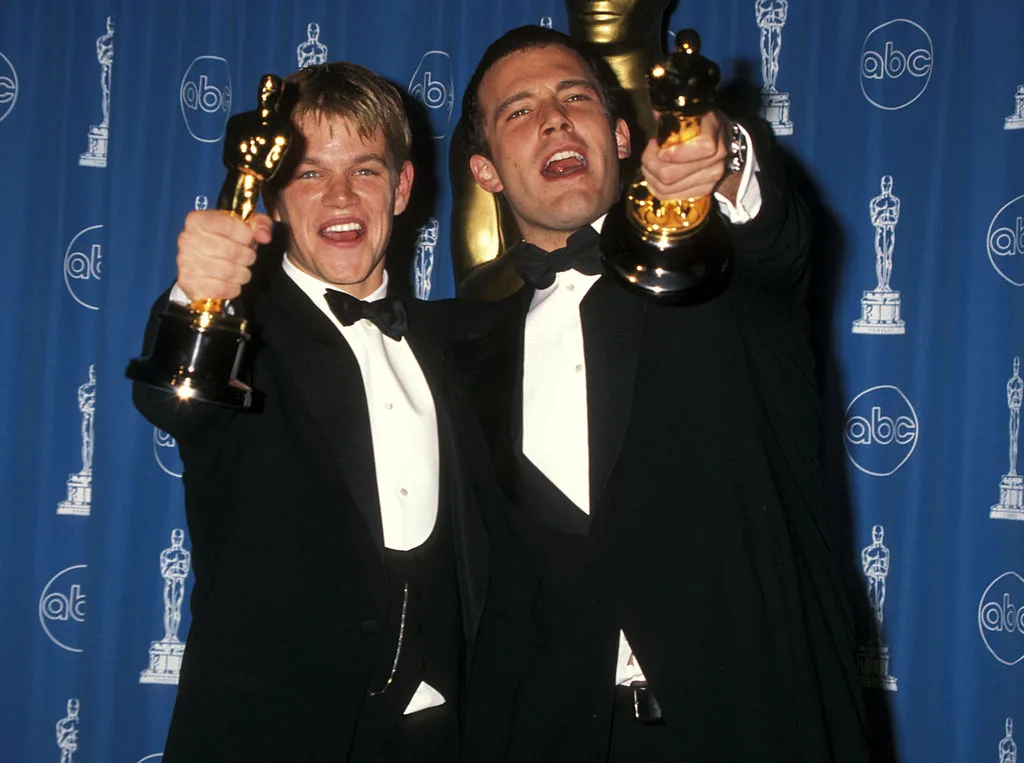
(565,84)
(502,107)
(369,156)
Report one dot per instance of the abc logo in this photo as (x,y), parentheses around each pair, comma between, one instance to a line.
(83,265)
(432,86)
(206,98)
(895,64)
(881,430)
(1001,618)
(8,87)
(1005,241)
(166,451)
(62,608)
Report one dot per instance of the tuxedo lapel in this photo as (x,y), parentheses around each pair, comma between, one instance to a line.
(612,320)
(498,388)
(471,557)
(318,360)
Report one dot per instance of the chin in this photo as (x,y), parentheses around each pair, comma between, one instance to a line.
(573,218)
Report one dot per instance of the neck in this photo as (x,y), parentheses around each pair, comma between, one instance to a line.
(550,240)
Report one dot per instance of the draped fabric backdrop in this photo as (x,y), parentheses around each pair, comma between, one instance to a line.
(907,119)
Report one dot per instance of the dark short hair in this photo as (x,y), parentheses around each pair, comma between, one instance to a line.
(515,40)
(353,92)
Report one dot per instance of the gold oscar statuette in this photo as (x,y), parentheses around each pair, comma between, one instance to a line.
(198,348)
(675,251)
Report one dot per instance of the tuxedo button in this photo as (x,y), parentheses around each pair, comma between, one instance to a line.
(368,626)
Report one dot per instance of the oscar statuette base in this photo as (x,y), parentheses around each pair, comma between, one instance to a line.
(880,314)
(873,664)
(685,271)
(196,356)
(1011,498)
(775,110)
(164,663)
(79,500)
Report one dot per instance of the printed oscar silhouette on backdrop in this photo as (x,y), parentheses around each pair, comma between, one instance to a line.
(1011,486)
(198,348)
(423,263)
(99,135)
(674,251)
(67,732)
(165,655)
(79,500)
(312,52)
(873,658)
(880,307)
(1016,120)
(771,17)
(1007,747)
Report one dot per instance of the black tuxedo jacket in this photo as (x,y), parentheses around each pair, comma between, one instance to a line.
(291,593)
(707,542)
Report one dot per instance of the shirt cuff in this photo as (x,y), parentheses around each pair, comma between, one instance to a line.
(178,296)
(748,199)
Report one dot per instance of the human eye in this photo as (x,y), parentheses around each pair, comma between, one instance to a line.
(517,113)
(307,174)
(579,97)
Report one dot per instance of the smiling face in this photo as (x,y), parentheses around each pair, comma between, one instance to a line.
(610,22)
(339,204)
(554,153)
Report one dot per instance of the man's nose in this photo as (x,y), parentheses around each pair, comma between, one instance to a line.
(339,191)
(554,117)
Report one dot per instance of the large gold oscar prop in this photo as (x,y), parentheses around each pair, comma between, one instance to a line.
(673,251)
(198,348)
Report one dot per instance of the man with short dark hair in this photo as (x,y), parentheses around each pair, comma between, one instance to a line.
(356,489)
(663,460)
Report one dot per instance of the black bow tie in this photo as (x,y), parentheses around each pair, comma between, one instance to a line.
(387,314)
(538,268)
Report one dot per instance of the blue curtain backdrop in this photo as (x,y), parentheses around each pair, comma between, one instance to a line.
(907,117)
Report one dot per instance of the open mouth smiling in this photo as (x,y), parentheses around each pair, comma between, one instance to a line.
(563,164)
(343,233)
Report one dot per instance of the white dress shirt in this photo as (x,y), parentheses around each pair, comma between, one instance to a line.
(402,420)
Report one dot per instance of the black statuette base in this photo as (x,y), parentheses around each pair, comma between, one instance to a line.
(691,270)
(196,362)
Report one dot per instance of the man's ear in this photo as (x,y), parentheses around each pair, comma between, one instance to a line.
(403,189)
(622,138)
(486,173)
